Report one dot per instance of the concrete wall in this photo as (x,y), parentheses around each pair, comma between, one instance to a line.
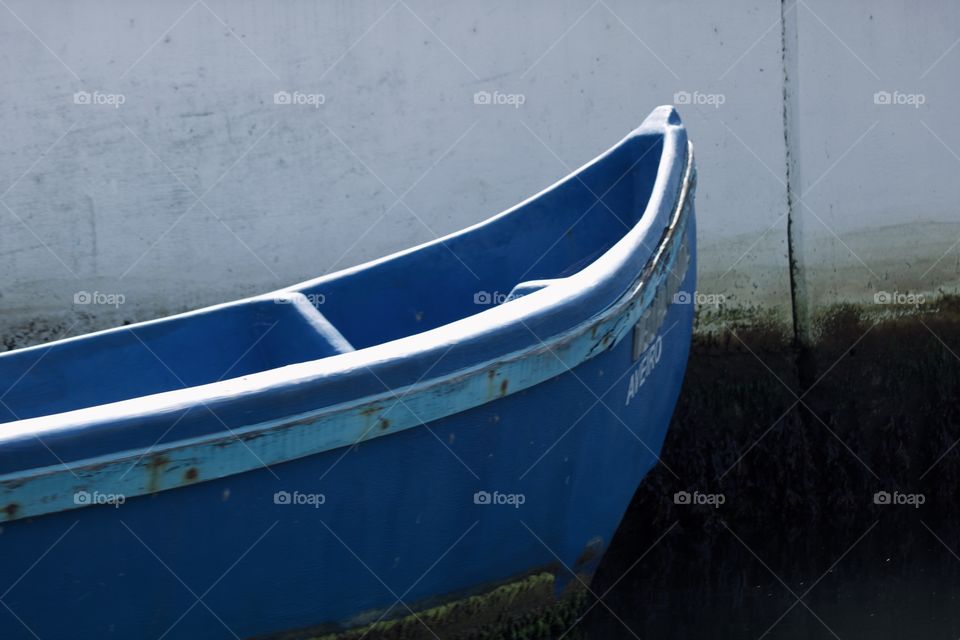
(881,199)
(198,188)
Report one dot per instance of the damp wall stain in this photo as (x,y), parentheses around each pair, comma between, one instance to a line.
(809,488)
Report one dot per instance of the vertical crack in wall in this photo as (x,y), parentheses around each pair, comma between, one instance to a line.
(791,102)
(799,300)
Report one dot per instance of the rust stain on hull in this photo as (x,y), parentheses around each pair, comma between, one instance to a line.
(155,468)
(10,511)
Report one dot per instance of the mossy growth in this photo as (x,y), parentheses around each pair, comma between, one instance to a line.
(526,609)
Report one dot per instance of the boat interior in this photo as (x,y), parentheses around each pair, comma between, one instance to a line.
(533,245)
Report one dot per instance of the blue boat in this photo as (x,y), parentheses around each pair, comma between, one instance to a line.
(366,444)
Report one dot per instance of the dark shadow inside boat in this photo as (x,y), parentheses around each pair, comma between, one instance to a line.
(535,244)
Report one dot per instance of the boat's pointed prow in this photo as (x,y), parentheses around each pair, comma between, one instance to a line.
(660,118)
(665,122)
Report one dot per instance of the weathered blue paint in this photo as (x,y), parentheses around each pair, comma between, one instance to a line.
(380,387)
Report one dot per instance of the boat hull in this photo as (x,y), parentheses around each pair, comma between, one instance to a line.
(524,465)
